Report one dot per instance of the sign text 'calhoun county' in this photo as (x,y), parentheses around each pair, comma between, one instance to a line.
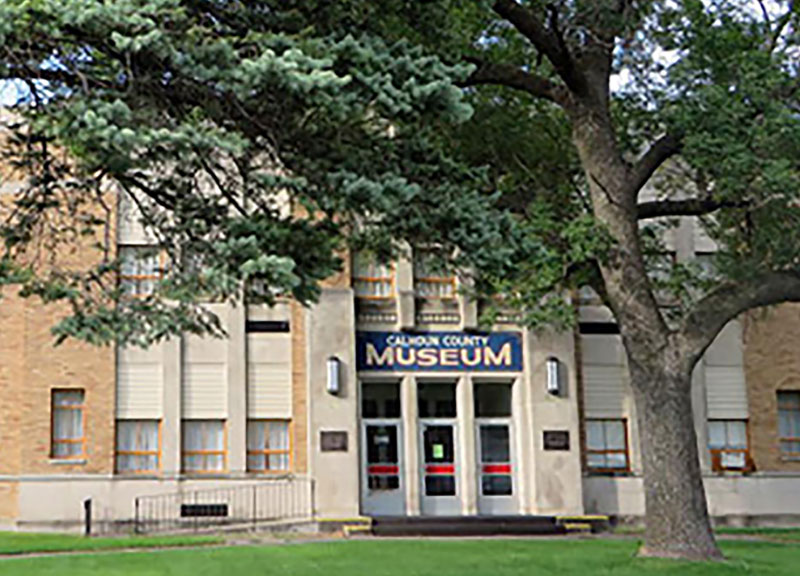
(439,351)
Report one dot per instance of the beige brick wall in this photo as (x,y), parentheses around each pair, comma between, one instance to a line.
(12,345)
(31,365)
(772,363)
(299,387)
(9,501)
(70,365)
(342,278)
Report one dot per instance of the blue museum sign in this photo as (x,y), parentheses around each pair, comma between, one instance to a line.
(439,351)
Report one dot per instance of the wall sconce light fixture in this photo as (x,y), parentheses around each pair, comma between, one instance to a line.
(333,385)
(555,376)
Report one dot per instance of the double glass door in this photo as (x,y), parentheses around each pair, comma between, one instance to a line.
(495,469)
(440,494)
(493,432)
(440,478)
(382,485)
(438,450)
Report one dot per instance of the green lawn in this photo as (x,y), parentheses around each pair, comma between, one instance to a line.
(22,542)
(787,534)
(781,534)
(415,558)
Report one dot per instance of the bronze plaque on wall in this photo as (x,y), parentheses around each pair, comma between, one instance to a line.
(333,441)
(556,440)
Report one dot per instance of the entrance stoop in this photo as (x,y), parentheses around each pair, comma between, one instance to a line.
(486,525)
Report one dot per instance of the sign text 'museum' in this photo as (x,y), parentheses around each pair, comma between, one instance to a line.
(439,351)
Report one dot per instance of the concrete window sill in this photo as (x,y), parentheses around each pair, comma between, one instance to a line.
(67,462)
(141,476)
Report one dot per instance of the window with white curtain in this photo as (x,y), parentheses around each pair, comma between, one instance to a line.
(138,446)
(727,442)
(607,446)
(372,280)
(68,440)
(140,270)
(268,446)
(203,444)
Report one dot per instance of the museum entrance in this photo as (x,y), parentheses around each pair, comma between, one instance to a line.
(382,484)
(493,445)
(439,489)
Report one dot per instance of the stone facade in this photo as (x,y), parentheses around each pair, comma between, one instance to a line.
(772,364)
(37,489)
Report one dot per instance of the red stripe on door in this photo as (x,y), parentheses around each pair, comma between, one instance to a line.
(497,469)
(440,469)
(383,469)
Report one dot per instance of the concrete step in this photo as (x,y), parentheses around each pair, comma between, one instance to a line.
(589,523)
(466,526)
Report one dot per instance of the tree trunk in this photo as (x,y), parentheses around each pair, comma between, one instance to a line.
(676,514)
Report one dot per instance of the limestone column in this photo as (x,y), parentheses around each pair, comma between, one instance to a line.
(404,285)
(465,434)
(411,458)
(237,390)
(522,444)
(172,374)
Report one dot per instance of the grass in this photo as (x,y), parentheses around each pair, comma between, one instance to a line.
(417,558)
(26,543)
(781,534)
(784,534)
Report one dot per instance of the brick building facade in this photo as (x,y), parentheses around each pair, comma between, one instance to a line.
(437,415)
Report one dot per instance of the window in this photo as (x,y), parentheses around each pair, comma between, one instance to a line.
(588,295)
(430,281)
(707,264)
(68,439)
(268,446)
(661,265)
(383,457)
(436,400)
(607,446)
(203,446)
(727,441)
(492,400)
(380,400)
(140,270)
(371,280)
(789,424)
(138,446)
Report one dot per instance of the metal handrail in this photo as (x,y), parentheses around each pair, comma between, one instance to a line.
(270,500)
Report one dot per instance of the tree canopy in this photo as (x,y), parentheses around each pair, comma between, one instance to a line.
(430,122)
(267,135)
(255,139)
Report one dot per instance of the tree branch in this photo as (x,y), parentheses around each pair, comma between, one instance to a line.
(546,41)
(689,207)
(712,312)
(662,150)
(516,78)
(780,26)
